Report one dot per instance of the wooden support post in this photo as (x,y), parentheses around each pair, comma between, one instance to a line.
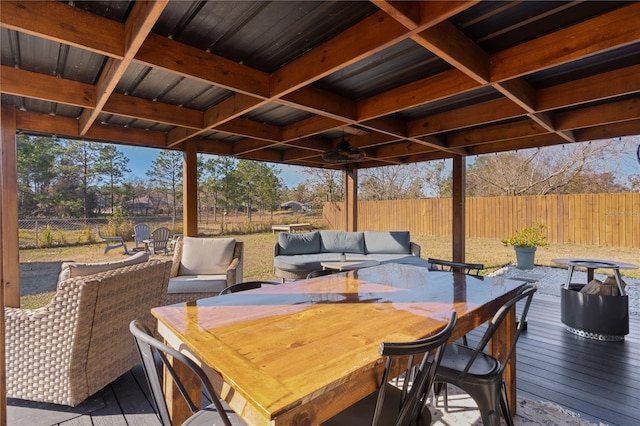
(351,197)
(7,125)
(190,190)
(458,208)
(9,200)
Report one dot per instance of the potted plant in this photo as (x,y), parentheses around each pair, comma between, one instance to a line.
(525,242)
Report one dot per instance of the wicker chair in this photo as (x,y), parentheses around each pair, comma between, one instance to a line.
(187,285)
(80,342)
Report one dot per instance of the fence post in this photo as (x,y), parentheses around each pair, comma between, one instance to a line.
(37,237)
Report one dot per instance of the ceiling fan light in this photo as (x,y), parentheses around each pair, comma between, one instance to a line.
(343,153)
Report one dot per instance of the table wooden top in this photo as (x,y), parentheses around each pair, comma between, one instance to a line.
(303,351)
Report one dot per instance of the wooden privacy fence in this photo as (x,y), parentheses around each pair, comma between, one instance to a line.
(610,220)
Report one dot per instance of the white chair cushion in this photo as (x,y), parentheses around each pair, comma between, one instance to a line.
(206,256)
(75,269)
(197,283)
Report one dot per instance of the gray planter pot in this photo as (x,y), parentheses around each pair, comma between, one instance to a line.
(525,257)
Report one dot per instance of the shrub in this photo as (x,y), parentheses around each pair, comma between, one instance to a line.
(531,236)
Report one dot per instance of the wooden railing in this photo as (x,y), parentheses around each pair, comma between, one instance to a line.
(610,220)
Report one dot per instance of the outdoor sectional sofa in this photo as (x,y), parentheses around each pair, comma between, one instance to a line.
(295,255)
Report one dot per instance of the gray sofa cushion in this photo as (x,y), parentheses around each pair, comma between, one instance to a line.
(397,242)
(342,242)
(304,243)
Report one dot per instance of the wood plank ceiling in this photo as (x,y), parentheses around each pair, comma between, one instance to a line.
(284,81)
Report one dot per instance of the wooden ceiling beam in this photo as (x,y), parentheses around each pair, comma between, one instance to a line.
(309,127)
(143,109)
(451,45)
(65,24)
(32,122)
(178,58)
(607,131)
(619,82)
(414,14)
(249,145)
(358,42)
(535,141)
(598,115)
(143,16)
(569,44)
(268,155)
(34,85)
(318,101)
(207,146)
(500,132)
(298,154)
(251,129)
(473,115)
(439,86)
(230,109)
(401,149)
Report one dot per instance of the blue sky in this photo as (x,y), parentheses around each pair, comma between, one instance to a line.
(140,160)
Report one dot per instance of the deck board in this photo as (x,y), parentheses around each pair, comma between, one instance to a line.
(599,380)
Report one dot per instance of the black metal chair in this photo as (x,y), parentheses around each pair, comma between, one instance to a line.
(446,265)
(391,405)
(152,353)
(321,273)
(248,285)
(465,268)
(480,374)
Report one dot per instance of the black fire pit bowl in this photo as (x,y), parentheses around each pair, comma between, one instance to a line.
(594,316)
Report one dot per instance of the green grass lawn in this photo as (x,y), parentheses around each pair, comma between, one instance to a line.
(258,256)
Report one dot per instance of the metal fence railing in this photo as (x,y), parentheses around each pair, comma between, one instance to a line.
(40,233)
(37,233)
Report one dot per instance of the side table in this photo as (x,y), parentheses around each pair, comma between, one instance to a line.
(348,265)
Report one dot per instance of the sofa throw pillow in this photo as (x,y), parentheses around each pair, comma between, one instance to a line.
(206,256)
(76,269)
(303,243)
(395,242)
(342,242)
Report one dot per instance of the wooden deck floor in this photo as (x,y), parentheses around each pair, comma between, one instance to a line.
(599,380)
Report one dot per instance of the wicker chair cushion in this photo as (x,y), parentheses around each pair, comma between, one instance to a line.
(197,284)
(206,256)
(76,269)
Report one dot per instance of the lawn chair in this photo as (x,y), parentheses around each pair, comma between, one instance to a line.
(112,242)
(141,232)
(160,238)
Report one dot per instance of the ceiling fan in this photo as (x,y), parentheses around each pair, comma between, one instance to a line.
(343,153)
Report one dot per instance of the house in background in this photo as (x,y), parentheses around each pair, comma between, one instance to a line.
(295,206)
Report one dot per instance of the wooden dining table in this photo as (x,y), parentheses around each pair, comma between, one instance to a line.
(298,353)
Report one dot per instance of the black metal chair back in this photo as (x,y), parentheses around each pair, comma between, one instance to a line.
(151,350)
(479,373)
(447,265)
(248,285)
(321,273)
(406,406)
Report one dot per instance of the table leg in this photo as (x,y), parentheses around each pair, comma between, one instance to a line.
(178,409)
(498,347)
